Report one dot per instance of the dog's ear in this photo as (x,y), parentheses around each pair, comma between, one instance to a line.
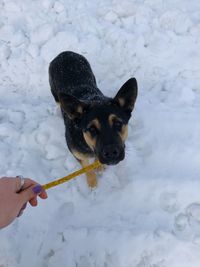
(72,106)
(127,95)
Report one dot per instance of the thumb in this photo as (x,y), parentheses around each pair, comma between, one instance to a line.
(31,192)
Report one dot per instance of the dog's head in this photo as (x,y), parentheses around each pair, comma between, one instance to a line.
(104,124)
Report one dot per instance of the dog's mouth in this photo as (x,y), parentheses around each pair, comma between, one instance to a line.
(114,162)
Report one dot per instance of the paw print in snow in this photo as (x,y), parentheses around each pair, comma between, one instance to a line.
(187,224)
(169,202)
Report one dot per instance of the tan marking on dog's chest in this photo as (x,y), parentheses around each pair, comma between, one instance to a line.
(79,155)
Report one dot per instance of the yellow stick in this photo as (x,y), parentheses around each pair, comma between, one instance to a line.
(90,167)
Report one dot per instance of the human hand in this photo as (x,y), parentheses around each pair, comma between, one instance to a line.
(13,198)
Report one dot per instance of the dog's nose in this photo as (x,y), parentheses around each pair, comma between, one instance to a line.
(110,152)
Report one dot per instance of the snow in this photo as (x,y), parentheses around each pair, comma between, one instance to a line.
(146,210)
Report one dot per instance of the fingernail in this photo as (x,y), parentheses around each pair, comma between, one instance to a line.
(37,189)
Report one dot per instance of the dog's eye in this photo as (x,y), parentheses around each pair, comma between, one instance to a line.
(93,130)
(117,125)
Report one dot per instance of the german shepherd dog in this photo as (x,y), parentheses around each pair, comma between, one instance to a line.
(95,125)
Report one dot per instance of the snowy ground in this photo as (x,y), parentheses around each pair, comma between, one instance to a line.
(146,210)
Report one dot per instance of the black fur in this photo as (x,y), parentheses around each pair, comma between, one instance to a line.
(73,84)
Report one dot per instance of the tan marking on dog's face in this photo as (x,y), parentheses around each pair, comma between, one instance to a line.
(91,141)
(111,119)
(96,123)
(124,133)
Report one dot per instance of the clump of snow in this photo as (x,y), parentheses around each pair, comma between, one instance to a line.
(145,211)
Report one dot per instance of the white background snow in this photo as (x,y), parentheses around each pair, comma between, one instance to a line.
(146,210)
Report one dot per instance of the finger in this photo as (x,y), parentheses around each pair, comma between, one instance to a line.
(22,210)
(18,183)
(29,193)
(24,206)
(43,194)
(29,182)
(33,202)
(23,183)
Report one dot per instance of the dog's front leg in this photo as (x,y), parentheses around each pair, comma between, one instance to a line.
(91,176)
(84,161)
